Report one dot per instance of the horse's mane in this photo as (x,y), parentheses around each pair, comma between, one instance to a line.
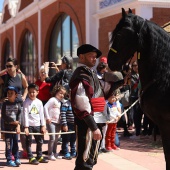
(159,51)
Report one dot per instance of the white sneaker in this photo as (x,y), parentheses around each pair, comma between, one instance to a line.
(134,137)
(52,158)
(57,156)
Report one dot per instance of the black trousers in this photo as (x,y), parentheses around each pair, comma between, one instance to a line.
(81,131)
(38,140)
(138,118)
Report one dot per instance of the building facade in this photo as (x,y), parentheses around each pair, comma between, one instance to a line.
(35,31)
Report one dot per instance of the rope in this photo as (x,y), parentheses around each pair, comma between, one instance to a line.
(23,133)
(62,133)
(130,107)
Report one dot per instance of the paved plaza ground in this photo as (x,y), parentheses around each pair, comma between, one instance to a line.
(142,154)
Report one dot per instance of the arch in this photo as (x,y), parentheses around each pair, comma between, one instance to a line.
(24,4)
(67,9)
(64,39)
(27,54)
(6,51)
(6,14)
(28,26)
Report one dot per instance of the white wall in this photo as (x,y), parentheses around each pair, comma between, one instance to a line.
(92,23)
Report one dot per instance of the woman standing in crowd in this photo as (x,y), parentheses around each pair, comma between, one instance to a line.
(18,80)
(101,69)
(44,88)
(137,112)
(63,75)
(13,78)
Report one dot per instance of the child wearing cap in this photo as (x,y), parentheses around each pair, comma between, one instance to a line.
(115,114)
(11,112)
(34,122)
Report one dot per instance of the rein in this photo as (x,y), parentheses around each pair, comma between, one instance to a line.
(138,57)
(147,87)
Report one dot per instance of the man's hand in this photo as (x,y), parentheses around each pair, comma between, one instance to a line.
(97,135)
(46,67)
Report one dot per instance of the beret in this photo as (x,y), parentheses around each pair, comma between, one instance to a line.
(86,48)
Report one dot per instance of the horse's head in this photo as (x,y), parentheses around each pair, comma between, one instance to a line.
(124,40)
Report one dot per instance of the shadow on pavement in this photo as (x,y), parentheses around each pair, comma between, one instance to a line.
(144,144)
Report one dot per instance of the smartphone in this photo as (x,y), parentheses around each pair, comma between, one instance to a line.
(50,64)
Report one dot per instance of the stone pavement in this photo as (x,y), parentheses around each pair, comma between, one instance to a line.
(143,154)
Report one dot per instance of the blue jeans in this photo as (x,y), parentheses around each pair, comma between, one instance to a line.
(11,142)
(117,141)
(38,140)
(66,138)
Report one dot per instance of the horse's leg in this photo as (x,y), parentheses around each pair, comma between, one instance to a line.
(165,131)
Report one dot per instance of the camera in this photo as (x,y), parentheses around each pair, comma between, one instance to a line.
(50,64)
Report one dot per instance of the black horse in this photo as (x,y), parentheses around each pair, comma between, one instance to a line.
(152,44)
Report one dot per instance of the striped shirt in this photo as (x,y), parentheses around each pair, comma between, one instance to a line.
(67,115)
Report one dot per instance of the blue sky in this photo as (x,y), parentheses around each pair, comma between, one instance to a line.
(1,5)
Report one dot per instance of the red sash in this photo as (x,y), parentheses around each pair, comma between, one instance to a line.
(98,104)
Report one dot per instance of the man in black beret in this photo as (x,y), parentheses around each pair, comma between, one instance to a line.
(88,101)
(86,48)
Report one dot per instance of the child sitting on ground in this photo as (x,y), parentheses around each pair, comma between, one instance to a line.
(11,112)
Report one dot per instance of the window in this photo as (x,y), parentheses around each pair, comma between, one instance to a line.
(28,61)
(64,39)
(7,52)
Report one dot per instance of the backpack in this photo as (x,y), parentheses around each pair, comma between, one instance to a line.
(64,81)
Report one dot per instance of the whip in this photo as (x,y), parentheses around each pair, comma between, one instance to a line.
(130,107)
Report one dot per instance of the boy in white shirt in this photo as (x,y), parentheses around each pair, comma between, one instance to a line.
(34,122)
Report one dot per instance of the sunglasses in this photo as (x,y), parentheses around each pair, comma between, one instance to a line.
(9,66)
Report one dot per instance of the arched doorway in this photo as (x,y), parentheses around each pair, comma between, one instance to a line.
(64,39)
(7,52)
(28,57)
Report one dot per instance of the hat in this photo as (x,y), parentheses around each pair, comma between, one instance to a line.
(112,76)
(59,62)
(67,60)
(12,88)
(103,60)
(86,48)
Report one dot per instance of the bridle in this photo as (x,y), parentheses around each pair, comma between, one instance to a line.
(152,82)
